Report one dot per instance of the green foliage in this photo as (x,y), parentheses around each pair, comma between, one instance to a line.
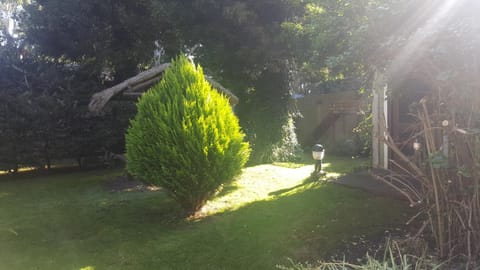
(242,46)
(288,149)
(43,115)
(264,114)
(363,130)
(244,43)
(118,38)
(185,137)
(327,39)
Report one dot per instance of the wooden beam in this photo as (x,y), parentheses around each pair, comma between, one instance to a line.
(133,88)
(143,86)
(100,99)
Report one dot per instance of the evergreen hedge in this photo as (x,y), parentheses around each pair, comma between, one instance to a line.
(185,137)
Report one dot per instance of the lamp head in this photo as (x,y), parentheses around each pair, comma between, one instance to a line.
(318,152)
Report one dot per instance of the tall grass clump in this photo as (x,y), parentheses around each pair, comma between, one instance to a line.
(443,178)
(393,259)
(185,137)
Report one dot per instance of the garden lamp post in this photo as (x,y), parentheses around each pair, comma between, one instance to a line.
(318,153)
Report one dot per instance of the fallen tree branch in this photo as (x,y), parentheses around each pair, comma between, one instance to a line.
(135,86)
(100,99)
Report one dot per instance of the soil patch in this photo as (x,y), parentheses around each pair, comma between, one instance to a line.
(356,249)
(126,184)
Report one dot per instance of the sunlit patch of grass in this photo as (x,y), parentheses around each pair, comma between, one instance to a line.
(333,175)
(263,182)
(31,169)
(20,170)
(291,165)
(344,165)
(304,160)
(8,231)
(257,184)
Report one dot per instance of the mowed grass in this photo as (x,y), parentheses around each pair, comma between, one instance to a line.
(271,213)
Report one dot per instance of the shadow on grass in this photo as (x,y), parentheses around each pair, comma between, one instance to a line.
(227,189)
(311,179)
(53,172)
(306,224)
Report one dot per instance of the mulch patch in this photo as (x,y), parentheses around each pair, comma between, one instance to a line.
(126,184)
(355,250)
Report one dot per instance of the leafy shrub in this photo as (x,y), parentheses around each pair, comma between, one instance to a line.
(288,149)
(363,133)
(185,137)
(264,115)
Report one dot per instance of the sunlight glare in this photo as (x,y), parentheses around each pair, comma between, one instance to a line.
(11,25)
(422,33)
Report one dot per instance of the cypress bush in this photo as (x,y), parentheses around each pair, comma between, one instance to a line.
(185,137)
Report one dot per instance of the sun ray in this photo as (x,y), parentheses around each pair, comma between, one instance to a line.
(431,17)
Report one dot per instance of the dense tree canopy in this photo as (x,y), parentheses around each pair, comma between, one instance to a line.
(255,48)
(239,42)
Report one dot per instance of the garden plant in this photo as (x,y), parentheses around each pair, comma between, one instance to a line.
(185,137)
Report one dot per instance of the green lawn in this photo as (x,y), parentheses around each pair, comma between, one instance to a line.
(272,213)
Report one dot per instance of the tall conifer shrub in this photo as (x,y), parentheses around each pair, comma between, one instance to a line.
(185,137)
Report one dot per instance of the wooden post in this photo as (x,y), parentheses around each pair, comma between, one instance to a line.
(379,114)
